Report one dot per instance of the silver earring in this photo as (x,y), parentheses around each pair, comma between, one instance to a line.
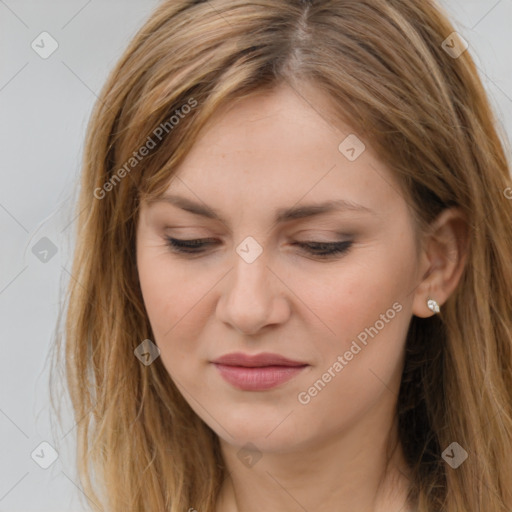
(433,305)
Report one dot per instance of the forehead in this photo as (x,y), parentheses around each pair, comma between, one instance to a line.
(281,148)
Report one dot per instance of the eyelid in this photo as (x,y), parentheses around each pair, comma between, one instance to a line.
(314,248)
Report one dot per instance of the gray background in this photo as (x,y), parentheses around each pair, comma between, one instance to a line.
(44,108)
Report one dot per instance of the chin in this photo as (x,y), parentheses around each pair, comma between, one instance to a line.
(268,435)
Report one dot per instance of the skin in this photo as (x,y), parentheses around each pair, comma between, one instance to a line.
(263,153)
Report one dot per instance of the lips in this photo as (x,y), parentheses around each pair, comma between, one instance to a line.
(258,372)
(256,361)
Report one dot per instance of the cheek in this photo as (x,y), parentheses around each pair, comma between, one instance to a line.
(176,305)
(157,294)
(369,317)
(355,295)
(366,306)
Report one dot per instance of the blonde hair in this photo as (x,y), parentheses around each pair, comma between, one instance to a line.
(426,114)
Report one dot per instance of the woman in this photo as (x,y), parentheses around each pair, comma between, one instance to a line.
(291,286)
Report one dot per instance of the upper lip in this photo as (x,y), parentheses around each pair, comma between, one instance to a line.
(257,360)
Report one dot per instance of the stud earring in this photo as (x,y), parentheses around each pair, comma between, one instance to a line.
(433,305)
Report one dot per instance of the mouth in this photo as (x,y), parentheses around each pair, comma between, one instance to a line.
(257,373)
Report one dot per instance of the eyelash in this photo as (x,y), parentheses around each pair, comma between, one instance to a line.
(328,249)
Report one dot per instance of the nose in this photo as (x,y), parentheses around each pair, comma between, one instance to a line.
(252,297)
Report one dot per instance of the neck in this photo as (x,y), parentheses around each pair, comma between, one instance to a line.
(360,468)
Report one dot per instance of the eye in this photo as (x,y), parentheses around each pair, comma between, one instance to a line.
(318,249)
(325,249)
(189,246)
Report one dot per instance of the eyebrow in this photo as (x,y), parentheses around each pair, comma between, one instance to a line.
(282,214)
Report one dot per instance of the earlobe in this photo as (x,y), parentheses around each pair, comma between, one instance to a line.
(445,253)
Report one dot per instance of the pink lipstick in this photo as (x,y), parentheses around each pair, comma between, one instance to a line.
(259,372)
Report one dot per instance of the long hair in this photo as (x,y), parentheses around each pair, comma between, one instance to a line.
(389,74)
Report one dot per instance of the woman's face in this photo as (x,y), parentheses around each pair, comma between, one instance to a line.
(265,167)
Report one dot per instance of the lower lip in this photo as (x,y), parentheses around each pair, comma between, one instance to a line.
(258,379)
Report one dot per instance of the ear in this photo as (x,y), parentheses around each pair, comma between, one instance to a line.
(443,256)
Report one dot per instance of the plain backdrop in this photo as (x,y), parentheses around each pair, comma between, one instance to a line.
(45,104)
